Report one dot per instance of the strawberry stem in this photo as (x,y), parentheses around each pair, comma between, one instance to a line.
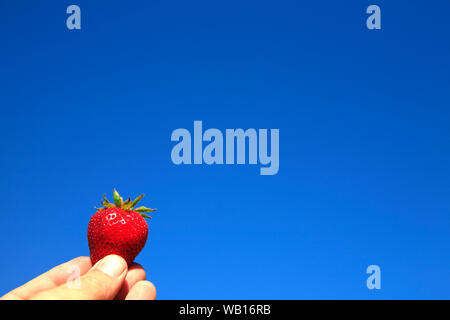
(117,199)
(127,205)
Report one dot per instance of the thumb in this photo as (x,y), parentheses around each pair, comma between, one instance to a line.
(102,282)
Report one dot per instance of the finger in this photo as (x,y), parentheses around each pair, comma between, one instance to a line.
(52,278)
(142,290)
(102,282)
(135,274)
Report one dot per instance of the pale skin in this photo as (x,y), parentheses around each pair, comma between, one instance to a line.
(108,279)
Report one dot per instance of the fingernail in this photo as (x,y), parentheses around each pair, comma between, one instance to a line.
(112,265)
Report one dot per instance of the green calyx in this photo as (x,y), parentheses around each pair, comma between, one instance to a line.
(127,205)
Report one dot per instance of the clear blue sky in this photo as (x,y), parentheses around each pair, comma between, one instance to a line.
(364,142)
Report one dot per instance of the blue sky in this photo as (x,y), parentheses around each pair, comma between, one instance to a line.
(364,142)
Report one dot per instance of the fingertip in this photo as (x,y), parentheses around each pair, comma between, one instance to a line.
(142,290)
(136,266)
(113,265)
(135,274)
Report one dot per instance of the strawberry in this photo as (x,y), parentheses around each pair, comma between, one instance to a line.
(118,228)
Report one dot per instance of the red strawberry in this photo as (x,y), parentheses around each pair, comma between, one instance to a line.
(118,229)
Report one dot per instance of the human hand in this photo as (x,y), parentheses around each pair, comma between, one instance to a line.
(108,279)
